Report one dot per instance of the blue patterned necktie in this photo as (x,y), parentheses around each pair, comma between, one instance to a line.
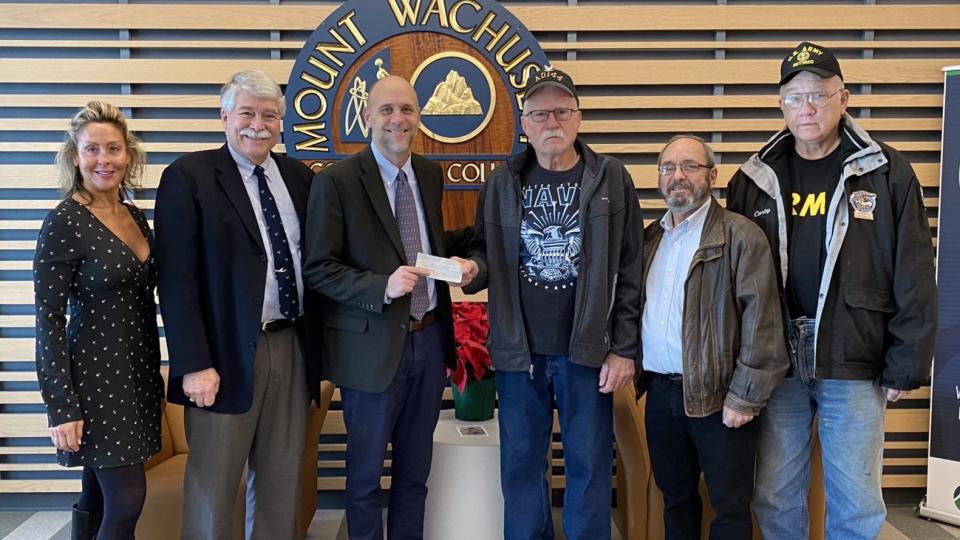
(406,214)
(282,259)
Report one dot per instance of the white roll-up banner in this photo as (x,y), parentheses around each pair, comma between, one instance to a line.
(943,470)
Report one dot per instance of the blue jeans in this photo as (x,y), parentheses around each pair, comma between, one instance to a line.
(851,435)
(526,424)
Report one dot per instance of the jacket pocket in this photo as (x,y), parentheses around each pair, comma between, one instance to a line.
(871,299)
(709,352)
(864,324)
(349,323)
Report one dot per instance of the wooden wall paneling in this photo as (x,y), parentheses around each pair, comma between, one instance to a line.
(589,102)
(622,18)
(584,72)
(617,45)
(644,176)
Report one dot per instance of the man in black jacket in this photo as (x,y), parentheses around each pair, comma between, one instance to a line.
(387,329)
(559,247)
(845,219)
(228,246)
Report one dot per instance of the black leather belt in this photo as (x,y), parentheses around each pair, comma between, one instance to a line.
(276,324)
(672,377)
(416,326)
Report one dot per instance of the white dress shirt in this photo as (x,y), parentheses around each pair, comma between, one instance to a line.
(291,226)
(662,324)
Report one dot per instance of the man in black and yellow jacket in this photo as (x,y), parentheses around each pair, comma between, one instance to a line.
(845,219)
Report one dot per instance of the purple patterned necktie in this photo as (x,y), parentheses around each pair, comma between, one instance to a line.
(406,214)
(282,259)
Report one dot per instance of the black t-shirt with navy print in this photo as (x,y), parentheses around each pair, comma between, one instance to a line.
(550,256)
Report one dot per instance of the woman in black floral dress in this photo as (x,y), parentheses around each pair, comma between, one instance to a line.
(99,373)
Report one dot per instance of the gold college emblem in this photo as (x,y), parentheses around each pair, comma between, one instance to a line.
(469,61)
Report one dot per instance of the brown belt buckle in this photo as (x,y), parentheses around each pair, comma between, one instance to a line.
(416,326)
(274,325)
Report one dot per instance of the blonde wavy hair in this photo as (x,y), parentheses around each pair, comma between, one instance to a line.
(98,112)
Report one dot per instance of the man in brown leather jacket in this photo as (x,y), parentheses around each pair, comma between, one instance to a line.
(713,345)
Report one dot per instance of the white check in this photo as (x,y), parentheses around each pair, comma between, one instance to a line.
(440,268)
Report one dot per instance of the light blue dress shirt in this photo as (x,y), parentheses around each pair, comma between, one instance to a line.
(662,325)
(291,226)
(388,172)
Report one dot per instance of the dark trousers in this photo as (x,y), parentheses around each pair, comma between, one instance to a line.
(405,415)
(681,448)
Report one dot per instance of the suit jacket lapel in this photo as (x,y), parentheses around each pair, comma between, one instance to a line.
(431,193)
(232,184)
(373,184)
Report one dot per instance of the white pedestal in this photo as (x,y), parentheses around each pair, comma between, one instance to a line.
(463,491)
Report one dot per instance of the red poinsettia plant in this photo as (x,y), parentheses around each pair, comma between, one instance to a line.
(470,329)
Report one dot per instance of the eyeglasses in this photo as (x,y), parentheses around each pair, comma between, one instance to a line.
(562,115)
(818,99)
(689,167)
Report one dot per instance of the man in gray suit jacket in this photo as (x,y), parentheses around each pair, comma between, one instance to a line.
(387,329)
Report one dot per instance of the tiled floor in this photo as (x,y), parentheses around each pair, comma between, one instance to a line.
(329,525)
(901,524)
(326,525)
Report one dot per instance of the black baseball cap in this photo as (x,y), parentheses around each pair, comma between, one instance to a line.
(809,57)
(550,76)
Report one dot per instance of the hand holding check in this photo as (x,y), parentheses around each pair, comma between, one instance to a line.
(456,271)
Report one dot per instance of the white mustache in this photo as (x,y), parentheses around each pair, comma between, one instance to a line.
(251,133)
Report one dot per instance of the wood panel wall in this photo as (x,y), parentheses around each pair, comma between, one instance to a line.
(646,71)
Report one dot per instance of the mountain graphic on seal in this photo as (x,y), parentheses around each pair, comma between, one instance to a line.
(452,96)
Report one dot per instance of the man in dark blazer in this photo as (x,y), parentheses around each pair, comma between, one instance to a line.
(387,328)
(228,250)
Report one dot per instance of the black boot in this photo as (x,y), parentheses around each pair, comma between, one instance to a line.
(95,519)
(80,525)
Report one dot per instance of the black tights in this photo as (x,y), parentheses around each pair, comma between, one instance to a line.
(116,493)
